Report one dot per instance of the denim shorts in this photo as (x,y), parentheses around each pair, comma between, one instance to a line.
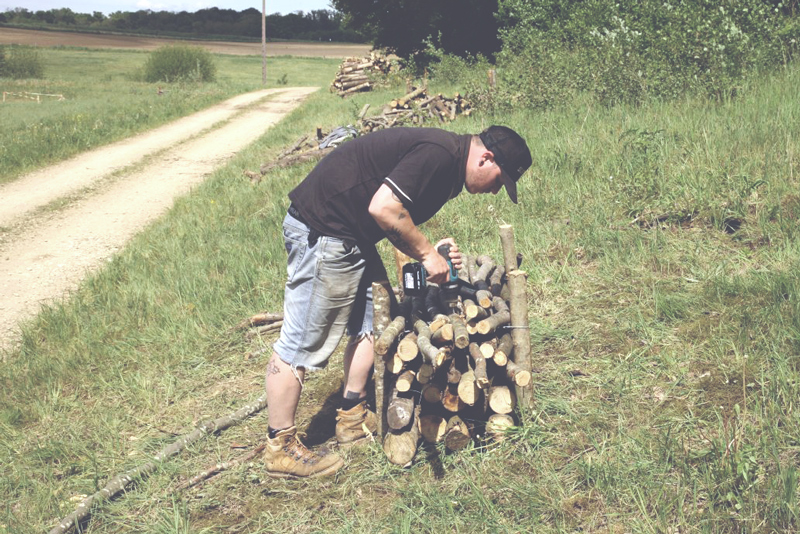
(328,290)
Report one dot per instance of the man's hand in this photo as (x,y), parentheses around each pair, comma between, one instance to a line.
(436,265)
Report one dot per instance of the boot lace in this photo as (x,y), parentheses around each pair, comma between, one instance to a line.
(299,451)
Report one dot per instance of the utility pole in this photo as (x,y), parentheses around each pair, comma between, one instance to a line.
(263,42)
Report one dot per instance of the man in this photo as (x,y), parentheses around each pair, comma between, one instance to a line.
(380,185)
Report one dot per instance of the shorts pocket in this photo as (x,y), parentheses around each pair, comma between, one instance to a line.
(296,243)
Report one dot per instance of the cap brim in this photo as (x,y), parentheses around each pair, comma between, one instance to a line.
(510,185)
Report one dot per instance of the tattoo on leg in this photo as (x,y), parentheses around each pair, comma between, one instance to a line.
(352,395)
(272,368)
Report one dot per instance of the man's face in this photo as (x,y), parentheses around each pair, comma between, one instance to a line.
(485,177)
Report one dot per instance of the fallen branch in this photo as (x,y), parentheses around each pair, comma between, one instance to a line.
(120,482)
(220,467)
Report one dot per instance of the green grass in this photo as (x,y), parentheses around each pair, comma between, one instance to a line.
(105,102)
(660,244)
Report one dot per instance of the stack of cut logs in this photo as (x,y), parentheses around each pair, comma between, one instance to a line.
(357,74)
(449,372)
(416,108)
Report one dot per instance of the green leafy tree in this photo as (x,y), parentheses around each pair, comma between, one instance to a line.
(462,27)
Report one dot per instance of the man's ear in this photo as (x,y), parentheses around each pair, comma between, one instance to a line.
(487,157)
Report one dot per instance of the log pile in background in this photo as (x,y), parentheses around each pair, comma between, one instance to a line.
(416,108)
(358,74)
(451,375)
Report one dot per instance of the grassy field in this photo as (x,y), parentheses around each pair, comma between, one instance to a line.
(110,104)
(661,248)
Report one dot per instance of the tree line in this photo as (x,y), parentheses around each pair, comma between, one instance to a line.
(316,25)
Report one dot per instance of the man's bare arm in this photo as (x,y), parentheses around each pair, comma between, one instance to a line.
(394,219)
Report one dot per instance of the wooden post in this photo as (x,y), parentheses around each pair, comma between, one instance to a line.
(382,305)
(263,42)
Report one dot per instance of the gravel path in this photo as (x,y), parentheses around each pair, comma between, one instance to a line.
(47,253)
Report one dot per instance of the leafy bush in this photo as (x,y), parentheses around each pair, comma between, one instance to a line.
(177,63)
(21,62)
(629,50)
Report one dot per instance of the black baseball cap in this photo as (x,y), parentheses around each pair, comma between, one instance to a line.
(511,153)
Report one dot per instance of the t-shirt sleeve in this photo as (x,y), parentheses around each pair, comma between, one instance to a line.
(415,173)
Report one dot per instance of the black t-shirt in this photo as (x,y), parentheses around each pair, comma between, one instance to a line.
(425,167)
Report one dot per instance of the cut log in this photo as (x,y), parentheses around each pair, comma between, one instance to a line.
(521,377)
(487,348)
(389,335)
(468,390)
(432,393)
(400,411)
(394,364)
(405,380)
(443,336)
(451,400)
(496,280)
(497,426)
(473,312)
(401,447)
(457,434)
(382,304)
(520,332)
(502,399)
(460,334)
(432,354)
(501,317)
(407,349)
(481,378)
(425,373)
(432,427)
(504,349)
(439,320)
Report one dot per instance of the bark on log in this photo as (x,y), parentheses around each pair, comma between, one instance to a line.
(400,448)
(502,399)
(457,434)
(520,332)
(120,482)
(220,467)
(496,280)
(432,427)
(405,380)
(502,316)
(425,373)
(504,349)
(400,411)
(509,248)
(460,334)
(389,335)
(432,354)
(382,304)
(521,377)
(481,378)
(453,374)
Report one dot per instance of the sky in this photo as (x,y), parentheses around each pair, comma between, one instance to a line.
(109,6)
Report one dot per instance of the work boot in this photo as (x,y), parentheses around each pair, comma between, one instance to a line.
(285,456)
(356,424)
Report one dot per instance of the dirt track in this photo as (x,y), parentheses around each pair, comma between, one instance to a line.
(280,48)
(46,254)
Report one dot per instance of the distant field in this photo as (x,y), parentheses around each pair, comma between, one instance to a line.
(88,40)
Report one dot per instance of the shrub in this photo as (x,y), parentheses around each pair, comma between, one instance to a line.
(630,50)
(176,63)
(21,62)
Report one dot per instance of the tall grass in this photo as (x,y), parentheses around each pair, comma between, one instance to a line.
(105,100)
(660,245)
